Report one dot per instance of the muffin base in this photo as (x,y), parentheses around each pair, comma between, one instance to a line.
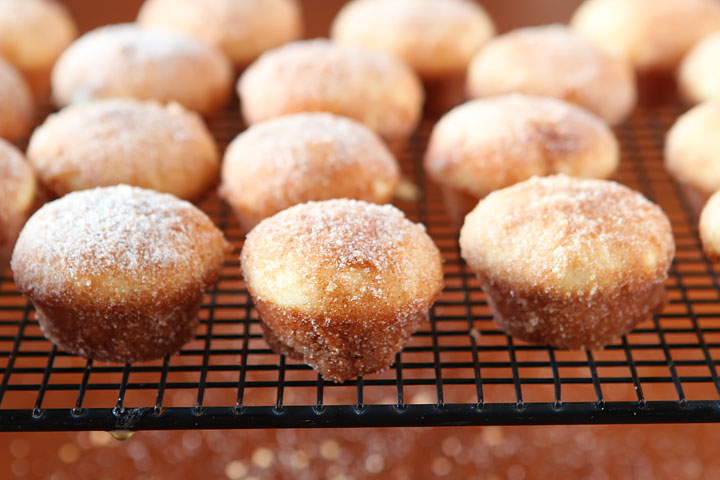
(341,350)
(116,336)
(572,322)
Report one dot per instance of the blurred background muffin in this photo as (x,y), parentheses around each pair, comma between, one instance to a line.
(242,30)
(553,61)
(437,38)
(33,33)
(125,60)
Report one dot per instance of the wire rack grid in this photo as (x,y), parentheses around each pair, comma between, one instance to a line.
(458,370)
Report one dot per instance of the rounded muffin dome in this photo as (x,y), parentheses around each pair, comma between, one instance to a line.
(319,76)
(128,61)
(241,29)
(140,143)
(302,157)
(553,61)
(435,37)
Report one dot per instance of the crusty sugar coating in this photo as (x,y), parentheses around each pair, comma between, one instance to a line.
(125,60)
(16,114)
(553,61)
(710,227)
(491,143)
(17,193)
(241,29)
(699,73)
(317,75)
(566,261)
(342,283)
(436,37)
(653,35)
(692,146)
(140,143)
(118,273)
(308,156)
(566,235)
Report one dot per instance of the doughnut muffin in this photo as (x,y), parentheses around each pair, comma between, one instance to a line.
(492,143)
(18,109)
(553,61)
(140,143)
(117,274)
(241,29)
(341,284)
(568,262)
(653,35)
(33,33)
(18,190)
(319,76)
(306,156)
(437,38)
(710,227)
(699,73)
(691,152)
(125,60)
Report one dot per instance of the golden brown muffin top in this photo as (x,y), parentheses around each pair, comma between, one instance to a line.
(117,246)
(569,237)
(377,89)
(343,259)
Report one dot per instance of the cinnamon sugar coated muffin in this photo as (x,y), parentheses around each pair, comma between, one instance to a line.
(140,143)
(699,73)
(653,35)
(316,75)
(17,194)
(241,29)
(307,156)
(16,114)
(553,61)
(573,263)
(491,143)
(118,273)
(437,38)
(691,152)
(125,60)
(341,284)
(710,227)
(33,33)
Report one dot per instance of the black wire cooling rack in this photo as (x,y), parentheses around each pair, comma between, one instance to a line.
(458,370)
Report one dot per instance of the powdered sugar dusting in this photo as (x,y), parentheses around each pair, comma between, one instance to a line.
(490,143)
(114,235)
(569,236)
(341,233)
(307,156)
(433,36)
(317,75)
(553,61)
(142,143)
